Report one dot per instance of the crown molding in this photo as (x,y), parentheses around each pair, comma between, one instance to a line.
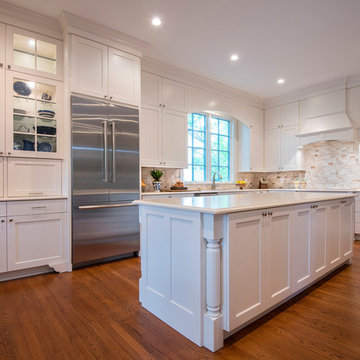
(188,78)
(319,89)
(29,20)
(73,24)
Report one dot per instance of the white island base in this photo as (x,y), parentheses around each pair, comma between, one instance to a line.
(212,265)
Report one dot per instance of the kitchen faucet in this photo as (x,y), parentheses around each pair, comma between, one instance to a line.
(213,186)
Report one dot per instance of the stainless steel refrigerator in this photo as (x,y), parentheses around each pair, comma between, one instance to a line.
(105,181)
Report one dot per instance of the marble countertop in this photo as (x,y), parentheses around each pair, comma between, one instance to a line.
(247,190)
(223,204)
(32,198)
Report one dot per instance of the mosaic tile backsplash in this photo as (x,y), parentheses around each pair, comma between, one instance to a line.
(327,165)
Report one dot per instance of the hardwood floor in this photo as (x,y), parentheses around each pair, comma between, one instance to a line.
(94,313)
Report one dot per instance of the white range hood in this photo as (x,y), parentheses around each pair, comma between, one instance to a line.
(325,118)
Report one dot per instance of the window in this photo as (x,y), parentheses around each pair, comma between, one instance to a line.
(209,144)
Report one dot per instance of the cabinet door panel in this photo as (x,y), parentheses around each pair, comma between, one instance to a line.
(246,280)
(124,77)
(318,242)
(278,256)
(1,177)
(347,232)
(2,46)
(150,89)
(333,235)
(256,150)
(289,114)
(272,150)
(174,139)
(33,177)
(3,256)
(301,248)
(33,53)
(255,117)
(2,112)
(174,95)
(289,148)
(272,118)
(35,240)
(89,68)
(150,136)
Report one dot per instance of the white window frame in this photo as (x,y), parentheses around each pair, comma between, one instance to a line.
(208,179)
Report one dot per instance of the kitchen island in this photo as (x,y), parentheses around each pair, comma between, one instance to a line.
(211,265)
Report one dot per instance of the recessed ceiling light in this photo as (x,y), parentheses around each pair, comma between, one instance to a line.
(156,21)
(234,57)
(281,81)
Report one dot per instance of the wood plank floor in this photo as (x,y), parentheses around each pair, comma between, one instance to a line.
(94,313)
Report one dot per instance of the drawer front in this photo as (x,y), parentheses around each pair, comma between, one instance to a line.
(2,208)
(36,207)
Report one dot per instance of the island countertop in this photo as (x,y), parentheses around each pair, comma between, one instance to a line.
(224,204)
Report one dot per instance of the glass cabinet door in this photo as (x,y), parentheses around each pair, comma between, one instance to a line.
(33,116)
(33,53)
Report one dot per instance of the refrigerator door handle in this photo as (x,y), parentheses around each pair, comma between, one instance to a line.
(109,206)
(106,170)
(113,141)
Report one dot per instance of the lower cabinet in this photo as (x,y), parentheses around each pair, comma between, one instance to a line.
(35,234)
(2,244)
(271,254)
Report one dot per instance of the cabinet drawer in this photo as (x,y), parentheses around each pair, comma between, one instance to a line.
(34,177)
(2,208)
(36,207)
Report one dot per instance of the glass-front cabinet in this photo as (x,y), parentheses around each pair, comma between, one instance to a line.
(2,89)
(33,53)
(34,116)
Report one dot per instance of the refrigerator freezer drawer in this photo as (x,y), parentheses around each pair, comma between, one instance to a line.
(104,232)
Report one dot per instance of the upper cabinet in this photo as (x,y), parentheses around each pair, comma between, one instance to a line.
(100,71)
(33,53)
(281,143)
(33,116)
(162,92)
(2,89)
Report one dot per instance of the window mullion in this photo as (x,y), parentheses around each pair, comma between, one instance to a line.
(208,149)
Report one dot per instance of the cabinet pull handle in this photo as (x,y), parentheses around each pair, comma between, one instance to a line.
(9,153)
(105,179)
(2,221)
(314,206)
(105,96)
(38,207)
(35,193)
(1,153)
(270,213)
(113,142)
(10,220)
(110,97)
(264,213)
(9,67)
(110,206)
(1,65)
(343,201)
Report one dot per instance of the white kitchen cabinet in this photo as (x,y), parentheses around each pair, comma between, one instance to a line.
(278,264)
(254,117)
(89,67)
(34,116)
(2,46)
(301,271)
(32,53)
(3,251)
(272,149)
(124,77)
(318,233)
(100,71)
(174,152)
(281,142)
(250,149)
(162,92)
(2,177)
(33,177)
(163,137)
(35,240)
(2,112)
(333,235)
(246,256)
(346,234)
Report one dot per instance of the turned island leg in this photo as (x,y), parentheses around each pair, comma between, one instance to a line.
(213,320)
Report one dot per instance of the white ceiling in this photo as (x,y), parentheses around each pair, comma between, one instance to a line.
(307,42)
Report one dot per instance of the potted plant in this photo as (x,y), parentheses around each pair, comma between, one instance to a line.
(156,175)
